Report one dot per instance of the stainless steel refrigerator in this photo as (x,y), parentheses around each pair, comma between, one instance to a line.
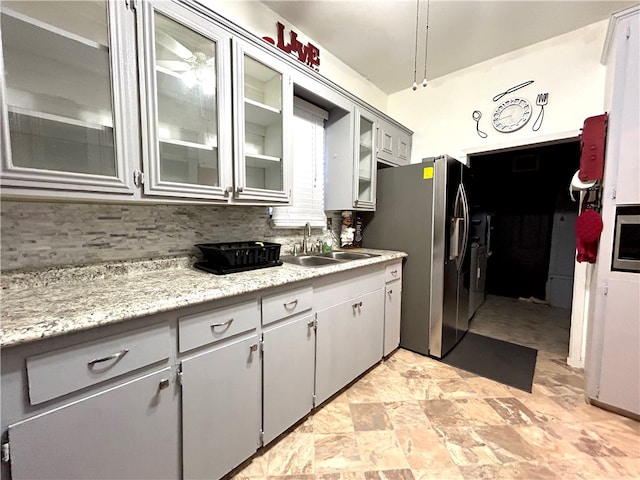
(423,209)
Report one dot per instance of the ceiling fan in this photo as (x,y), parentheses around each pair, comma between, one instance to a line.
(193,67)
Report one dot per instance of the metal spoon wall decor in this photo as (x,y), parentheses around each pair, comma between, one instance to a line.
(477,115)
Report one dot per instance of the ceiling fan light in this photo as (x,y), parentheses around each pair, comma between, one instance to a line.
(209,87)
(189,78)
(206,76)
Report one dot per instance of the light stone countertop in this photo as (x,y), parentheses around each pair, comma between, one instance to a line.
(39,305)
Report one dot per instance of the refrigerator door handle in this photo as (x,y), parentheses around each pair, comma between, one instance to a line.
(454,247)
(465,221)
(488,235)
(454,230)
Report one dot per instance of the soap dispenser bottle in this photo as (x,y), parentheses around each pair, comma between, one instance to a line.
(329,240)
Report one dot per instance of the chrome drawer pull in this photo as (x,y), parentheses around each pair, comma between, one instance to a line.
(115,356)
(222,324)
(253,347)
(291,304)
(390,292)
(394,272)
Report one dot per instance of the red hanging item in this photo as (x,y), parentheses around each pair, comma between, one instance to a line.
(592,145)
(588,229)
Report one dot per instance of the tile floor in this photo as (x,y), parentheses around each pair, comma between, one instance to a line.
(412,417)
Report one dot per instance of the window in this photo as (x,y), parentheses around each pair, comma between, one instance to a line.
(308,169)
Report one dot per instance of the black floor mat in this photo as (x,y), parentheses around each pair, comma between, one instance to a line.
(501,361)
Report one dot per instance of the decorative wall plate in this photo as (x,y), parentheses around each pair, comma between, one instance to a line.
(511,115)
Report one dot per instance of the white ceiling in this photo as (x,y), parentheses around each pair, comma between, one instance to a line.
(377,37)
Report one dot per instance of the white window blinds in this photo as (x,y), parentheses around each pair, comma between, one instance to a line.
(308,170)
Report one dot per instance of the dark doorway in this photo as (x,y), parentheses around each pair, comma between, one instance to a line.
(521,191)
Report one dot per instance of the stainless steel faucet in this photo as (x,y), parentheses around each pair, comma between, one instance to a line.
(306,239)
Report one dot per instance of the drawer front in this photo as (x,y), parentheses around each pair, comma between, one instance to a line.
(393,272)
(215,325)
(283,305)
(334,289)
(59,372)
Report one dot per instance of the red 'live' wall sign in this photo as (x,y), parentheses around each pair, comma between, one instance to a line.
(307,54)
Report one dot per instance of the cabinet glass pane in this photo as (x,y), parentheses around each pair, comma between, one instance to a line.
(365,160)
(57,71)
(263,145)
(187,104)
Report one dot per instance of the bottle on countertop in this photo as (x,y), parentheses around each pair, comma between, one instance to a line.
(329,240)
(357,234)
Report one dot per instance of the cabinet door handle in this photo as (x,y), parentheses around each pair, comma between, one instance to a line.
(164,383)
(390,292)
(394,272)
(114,356)
(253,347)
(222,324)
(291,304)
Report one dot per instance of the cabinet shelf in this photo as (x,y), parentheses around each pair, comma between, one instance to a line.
(56,118)
(262,161)
(182,143)
(261,114)
(35,33)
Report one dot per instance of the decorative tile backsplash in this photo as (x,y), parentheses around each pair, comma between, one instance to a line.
(40,235)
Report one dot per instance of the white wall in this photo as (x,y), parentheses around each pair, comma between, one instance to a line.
(258,19)
(567,67)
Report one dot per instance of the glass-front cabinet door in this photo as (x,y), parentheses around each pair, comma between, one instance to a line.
(365,160)
(65,93)
(263,109)
(186,115)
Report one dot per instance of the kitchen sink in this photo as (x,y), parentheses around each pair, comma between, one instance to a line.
(309,260)
(340,255)
(324,259)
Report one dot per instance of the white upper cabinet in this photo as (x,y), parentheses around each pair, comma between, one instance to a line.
(365,157)
(394,144)
(350,182)
(65,95)
(263,101)
(185,79)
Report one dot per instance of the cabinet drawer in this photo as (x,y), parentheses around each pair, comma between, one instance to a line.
(393,272)
(59,372)
(214,325)
(282,305)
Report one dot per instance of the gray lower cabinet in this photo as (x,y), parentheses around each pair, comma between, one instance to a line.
(129,431)
(349,341)
(393,295)
(288,365)
(220,408)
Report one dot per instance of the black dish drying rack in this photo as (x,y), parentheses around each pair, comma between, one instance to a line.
(232,257)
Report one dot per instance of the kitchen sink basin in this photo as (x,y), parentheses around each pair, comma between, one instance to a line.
(309,260)
(340,255)
(324,259)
